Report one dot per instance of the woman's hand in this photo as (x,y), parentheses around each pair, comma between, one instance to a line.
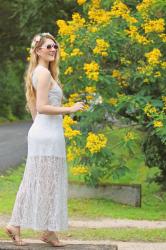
(77,106)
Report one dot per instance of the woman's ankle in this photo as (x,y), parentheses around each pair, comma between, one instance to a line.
(49,233)
(12,226)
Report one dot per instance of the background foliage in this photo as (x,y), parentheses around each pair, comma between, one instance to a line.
(112,57)
(20,21)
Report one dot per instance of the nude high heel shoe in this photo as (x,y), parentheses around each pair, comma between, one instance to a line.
(15,237)
(52,239)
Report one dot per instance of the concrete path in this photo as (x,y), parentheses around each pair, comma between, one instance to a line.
(81,245)
(104,223)
(70,245)
(117,223)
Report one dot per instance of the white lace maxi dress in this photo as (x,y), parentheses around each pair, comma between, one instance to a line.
(41,201)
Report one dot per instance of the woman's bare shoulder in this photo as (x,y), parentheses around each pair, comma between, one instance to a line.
(41,69)
(40,73)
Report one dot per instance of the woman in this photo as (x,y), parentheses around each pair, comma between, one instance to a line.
(41,201)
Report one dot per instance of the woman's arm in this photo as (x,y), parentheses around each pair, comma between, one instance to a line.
(42,106)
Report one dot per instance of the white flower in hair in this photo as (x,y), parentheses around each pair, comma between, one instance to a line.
(37,38)
(35,41)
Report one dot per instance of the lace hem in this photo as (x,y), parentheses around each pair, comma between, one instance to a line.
(41,201)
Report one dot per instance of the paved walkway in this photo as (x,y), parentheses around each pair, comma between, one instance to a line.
(117,223)
(105,223)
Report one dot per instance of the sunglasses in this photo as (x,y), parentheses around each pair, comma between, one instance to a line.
(49,46)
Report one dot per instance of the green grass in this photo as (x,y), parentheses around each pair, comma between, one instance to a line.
(94,209)
(120,234)
(127,234)
(153,200)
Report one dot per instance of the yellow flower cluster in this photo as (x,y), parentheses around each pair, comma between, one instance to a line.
(146,69)
(101,47)
(163,65)
(73,98)
(149,110)
(77,21)
(70,155)
(145,4)
(157,124)
(92,70)
(92,28)
(153,56)
(157,74)
(69,132)
(68,121)
(68,28)
(79,170)
(146,80)
(74,151)
(154,26)
(129,136)
(113,101)
(96,3)
(100,16)
(116,73)
(132,32)
(76,52)
(63,54)
(81,2)
(90,95)
(121,78)
(90,90)
(72,38)
(64,28)
(141,39)
(68,71)
(119,9)
(144,7)
(95,142)
(163,37)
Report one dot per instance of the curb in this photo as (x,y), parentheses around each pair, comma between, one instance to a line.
(70,245)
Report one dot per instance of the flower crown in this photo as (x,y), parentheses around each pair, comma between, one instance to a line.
(37,39)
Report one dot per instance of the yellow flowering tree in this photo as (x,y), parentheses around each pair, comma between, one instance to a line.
(113,58)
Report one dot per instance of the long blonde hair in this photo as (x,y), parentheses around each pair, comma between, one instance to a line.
(30,91)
